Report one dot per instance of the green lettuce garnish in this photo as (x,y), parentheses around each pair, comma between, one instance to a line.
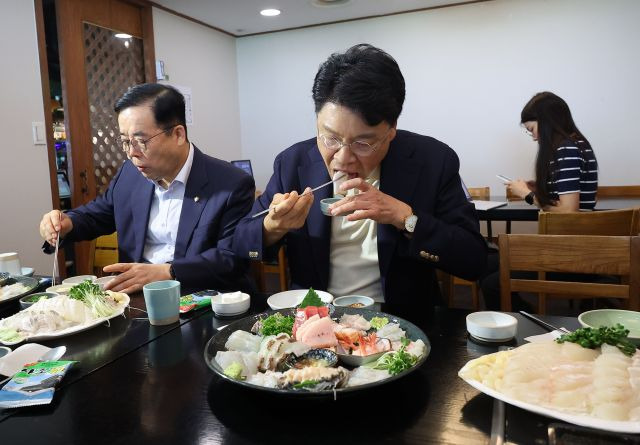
(276,324)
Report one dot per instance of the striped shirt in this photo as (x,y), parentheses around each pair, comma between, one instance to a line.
(575,170)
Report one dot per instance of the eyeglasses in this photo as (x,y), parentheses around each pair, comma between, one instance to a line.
(140,144)
(359,148)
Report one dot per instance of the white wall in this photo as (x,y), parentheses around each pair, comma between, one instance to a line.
(469,70)
(25,191)
(205,61)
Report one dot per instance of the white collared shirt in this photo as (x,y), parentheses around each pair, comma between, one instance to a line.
(353,262)
(164,216)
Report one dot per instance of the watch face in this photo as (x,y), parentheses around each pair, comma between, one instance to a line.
(410,223)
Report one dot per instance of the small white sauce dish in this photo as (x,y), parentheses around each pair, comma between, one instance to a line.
(60,289)
(4,351)
(492,326)
(102,281)
(79,279)
(229,304)
(354,301)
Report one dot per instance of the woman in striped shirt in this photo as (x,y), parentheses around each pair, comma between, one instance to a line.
(566,178)
(566,167)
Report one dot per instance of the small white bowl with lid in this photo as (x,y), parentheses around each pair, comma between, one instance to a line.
(492,326)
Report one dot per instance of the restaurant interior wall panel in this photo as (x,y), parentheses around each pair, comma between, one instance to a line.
(24,167)
(469,70)
(203,60)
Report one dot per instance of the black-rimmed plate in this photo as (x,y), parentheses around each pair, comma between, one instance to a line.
(217,342)
(30,285)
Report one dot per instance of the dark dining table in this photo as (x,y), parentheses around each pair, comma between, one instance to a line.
(136,383)
(521,211)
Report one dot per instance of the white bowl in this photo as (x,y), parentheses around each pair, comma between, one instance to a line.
(79,279)
(62,289)
(491,326)
(233,303)
(27,271)
(348,300)
(102,281)
(292,298)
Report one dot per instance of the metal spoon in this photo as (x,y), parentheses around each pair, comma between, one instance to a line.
(51,355)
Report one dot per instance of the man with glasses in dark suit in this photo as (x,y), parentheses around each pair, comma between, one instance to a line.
(403,213)
(175,209)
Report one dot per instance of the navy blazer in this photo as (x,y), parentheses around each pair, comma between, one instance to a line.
(216,196)
(418,170)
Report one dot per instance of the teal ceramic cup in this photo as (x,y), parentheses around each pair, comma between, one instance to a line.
(163,301)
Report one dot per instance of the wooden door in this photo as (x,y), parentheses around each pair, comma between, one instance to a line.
(96,69)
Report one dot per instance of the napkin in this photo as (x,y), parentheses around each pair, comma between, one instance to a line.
(549,336)
(27,353)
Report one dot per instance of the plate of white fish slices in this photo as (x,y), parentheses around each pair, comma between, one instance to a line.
(13,287)
(305,360)
(60,316)
(597,388)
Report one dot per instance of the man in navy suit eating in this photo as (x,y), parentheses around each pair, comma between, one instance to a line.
(175,209)
(403,213)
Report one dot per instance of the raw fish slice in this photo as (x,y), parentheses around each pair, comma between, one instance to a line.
(319,334)
(391,331)
(304,326)
(355,321)
(247,360)
(267,379)
(363,375)
(243,341)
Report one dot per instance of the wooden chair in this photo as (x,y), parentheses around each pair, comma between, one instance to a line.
(449,281)
(510,197)
(619,191)
(624,222)
(602,255)
(103,251)
(280,267)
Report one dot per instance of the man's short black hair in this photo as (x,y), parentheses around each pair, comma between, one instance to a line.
(364,79)
(166,102)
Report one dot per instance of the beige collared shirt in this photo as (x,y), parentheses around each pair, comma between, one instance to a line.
(353,260)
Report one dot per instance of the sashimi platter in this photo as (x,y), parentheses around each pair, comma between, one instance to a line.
(317,349)
(590,377)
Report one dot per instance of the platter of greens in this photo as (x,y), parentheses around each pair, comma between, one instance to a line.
(262,328)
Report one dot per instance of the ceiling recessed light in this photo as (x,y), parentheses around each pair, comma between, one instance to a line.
(270,12)
(122,35)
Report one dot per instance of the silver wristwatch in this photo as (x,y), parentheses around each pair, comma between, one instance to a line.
(410,223)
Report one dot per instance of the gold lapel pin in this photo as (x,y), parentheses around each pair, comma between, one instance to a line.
(196,199)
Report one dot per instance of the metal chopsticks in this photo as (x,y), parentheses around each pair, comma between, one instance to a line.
(305,193)
(544,324)
(55,261)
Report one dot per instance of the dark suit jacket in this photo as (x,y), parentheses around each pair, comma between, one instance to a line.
(216,196)
(417,170)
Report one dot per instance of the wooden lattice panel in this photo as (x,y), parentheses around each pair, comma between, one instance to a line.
(112,66)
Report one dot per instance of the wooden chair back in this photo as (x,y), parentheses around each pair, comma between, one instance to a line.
(481,193)
(602,255)
(625,222)
(619,191)
(512,196)
(279,267)
(104,251)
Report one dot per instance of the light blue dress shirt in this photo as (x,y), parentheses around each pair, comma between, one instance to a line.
(164,216)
